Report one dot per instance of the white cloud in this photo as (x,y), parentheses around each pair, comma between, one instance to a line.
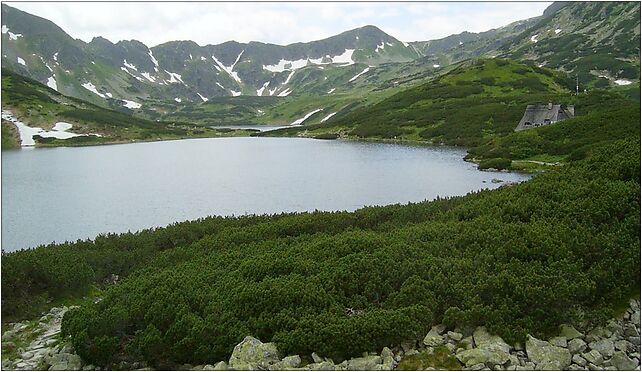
(279,23)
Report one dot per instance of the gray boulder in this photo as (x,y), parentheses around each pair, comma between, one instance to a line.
(366,363)
(490,350)
(576,345)
(434,337)
(252,354)
(570,332)
(316,358)
(322,366)
(604,346)
(64,362)
(546,355)
(558,341)
(593,357)
(577,359)
(622,362)
(635,318)
(288,363)
(455,336)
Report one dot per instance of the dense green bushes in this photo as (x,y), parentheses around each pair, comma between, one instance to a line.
(519,260)
(495,163)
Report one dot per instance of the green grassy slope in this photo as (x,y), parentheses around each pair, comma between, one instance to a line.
(39,106)
(475,100)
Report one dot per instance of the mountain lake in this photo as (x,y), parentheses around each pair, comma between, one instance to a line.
(59,194)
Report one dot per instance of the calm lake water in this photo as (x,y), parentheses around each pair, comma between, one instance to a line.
(60,194)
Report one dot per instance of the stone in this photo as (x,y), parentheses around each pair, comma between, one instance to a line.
(408,345)
(635,318)
(288,363)
(482,337)
(518,346)
(576,345)
(547,355)
(614,327)
(623,345)
(575,367)
(455,336)
(220,366)
(593,357)
(622,362)
(8,335)
(452,348)
(208,367)
(593,367)
(411,352)
(316,358)
(368,363)
(467,342)
(252,354)
(434,337)
(477,367)
(604,346)
(630,330)
(65,362)
(323,366)
(484,355)
(558,341)
(635,341)
(577,359)
(439,328)
(513,360)
(570,332)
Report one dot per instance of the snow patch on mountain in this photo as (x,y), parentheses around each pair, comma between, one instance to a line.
(234,93)
(55,57)
(219,84)
(259,92)
(12,36)
(359,74)
(288,65)
(130,74)
(332,90)
(22,61)
(203,98)
(301,120)
(178,100)
(92,88)
(230,69)
(435,66)
(174,77)
(623,82)
(557,31)
(328,117)
(281,66)
(129,65)
(131,104)
(5,29)
(26,132)
(382,46)
(154,61)
(149,77)
(534,38)
(288,78)
(285,93)
(345,57)
(51,83)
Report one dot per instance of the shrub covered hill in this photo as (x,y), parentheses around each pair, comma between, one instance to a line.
(40,106)
(479,103)
(563,247)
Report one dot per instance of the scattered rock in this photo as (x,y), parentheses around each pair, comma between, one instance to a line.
(593,357)
(434,337)
(316,358)
(576,345)
(622,362)
(546,355)
(220,366)
(455,336)
(577,359)
(368,363)
(252,354)
(604,346)
(558,341)
(570,332)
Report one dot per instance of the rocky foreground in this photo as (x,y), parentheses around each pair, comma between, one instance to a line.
(614,347)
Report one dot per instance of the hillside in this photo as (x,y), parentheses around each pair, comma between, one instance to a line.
(474,100)
(39,106)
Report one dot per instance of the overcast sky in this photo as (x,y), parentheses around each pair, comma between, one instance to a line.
(279,23)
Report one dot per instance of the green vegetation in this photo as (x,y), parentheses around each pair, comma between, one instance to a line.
(38,105)
(602,118)
(519,260)
(441,359)
(10,136)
